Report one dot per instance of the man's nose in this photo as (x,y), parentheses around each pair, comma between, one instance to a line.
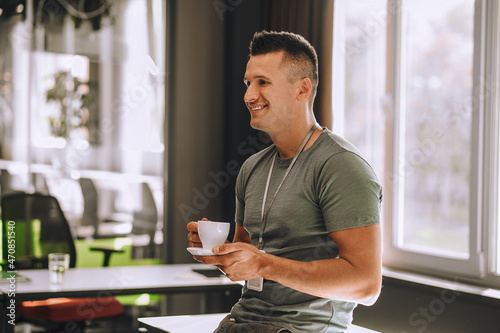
(251,95)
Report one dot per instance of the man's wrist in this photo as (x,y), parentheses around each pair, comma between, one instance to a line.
(266,262)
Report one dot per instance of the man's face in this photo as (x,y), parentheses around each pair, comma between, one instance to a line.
(269,96)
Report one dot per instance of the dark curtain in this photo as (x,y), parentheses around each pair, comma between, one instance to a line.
(312,19)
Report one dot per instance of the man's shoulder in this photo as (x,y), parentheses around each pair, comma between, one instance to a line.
(331,145)
(336,154)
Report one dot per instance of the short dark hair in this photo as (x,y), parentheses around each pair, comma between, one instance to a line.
(300,57)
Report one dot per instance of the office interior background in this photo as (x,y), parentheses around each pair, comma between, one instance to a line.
(140,102)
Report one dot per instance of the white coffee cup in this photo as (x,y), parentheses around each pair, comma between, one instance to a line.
(212,233)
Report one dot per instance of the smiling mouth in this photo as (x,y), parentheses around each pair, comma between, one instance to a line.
(257,108)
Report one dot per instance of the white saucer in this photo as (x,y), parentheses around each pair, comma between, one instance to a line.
(198,251)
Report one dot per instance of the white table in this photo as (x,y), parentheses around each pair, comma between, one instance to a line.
(119,280)
(200,324)
(112,281)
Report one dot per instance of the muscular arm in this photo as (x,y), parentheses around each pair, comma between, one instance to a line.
(355,276)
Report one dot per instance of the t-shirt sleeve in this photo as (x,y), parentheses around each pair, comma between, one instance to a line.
(240,197)
(349,192)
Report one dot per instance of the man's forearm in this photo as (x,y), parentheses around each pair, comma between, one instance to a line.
(330,278)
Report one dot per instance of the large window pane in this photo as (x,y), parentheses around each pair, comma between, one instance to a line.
(435,127)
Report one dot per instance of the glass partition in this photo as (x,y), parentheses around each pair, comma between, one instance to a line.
(82,97)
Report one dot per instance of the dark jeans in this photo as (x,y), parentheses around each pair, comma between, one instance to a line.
(228,325)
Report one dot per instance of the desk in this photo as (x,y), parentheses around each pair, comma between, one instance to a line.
(200,324)
(108,281)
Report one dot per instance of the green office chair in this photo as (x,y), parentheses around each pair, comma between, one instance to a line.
(41,228)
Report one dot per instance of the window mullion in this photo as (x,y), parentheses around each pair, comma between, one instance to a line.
(394,180)
(478,156)
(489,100)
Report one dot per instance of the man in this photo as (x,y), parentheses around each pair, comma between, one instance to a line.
(318,230)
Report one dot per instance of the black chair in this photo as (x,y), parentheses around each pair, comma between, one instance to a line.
(41,228)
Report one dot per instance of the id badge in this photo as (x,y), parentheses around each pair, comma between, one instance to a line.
(256,284)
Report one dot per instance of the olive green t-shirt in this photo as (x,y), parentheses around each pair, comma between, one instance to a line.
(330,187)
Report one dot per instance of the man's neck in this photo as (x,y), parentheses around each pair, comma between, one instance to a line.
(289,141)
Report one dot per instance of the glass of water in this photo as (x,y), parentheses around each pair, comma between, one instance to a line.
(58,264)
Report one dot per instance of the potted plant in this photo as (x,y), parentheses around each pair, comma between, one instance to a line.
(72,99)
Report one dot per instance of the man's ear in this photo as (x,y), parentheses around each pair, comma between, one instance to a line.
(304,89)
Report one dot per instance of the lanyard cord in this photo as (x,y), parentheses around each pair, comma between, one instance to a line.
(264,213)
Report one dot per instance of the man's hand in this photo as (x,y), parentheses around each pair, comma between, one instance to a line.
(239,261)
(193,237)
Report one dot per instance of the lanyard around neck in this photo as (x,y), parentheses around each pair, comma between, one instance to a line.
(265,213)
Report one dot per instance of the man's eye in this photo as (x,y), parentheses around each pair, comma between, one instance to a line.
(262,82)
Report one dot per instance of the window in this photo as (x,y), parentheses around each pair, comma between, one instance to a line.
(417,92)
